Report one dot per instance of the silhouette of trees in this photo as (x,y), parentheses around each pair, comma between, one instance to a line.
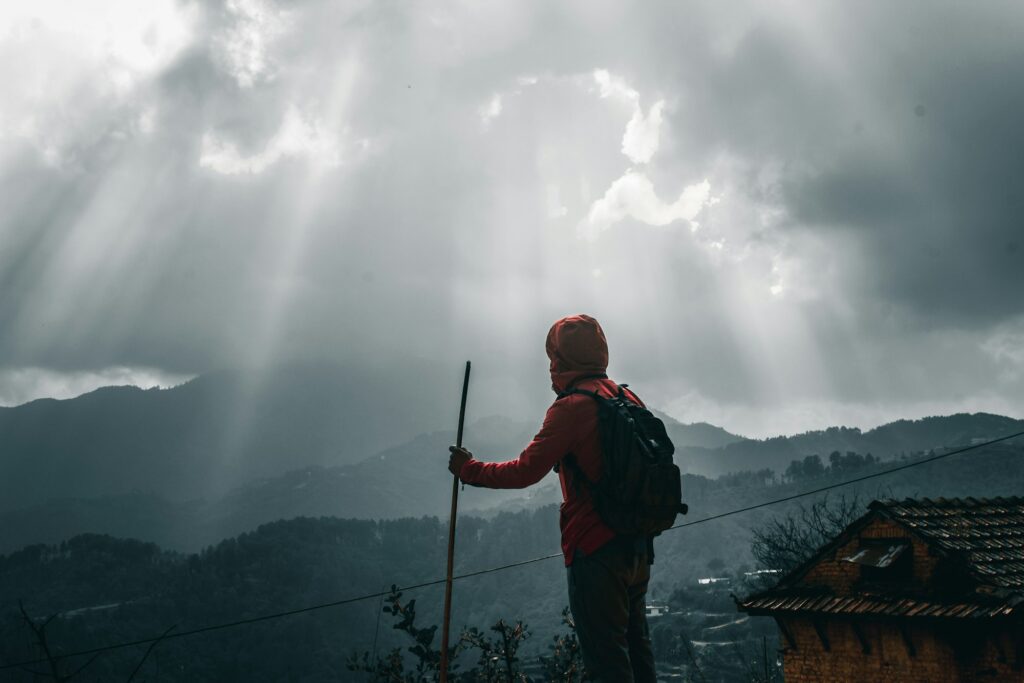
(839,465)
(784,542)
(810,467)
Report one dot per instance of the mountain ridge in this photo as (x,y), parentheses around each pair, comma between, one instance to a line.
(187,441)
(884,441)
(410,480)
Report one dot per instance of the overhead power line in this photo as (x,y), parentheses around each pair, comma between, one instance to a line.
(491,570)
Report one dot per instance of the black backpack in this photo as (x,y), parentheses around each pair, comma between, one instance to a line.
(639,492)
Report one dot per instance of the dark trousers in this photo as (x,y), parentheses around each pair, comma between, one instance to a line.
(607,596)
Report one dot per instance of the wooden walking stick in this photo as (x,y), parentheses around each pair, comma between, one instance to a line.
(451,538)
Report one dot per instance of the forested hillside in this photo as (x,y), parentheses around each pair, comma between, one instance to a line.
(160,471)
(109,590)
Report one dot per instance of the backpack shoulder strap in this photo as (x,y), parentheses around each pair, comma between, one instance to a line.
(571,389)
(621,395)
(585,392)
(570,460)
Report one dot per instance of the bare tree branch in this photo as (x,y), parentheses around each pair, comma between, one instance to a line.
(783,543)
(82,668)
(40,634)
(149,649)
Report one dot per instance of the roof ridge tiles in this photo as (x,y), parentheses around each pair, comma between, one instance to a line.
(942,502)
(986,535)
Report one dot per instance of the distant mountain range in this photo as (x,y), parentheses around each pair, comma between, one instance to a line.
(221,431)
(210,435)
(409,480)
(697,434)
(164,464)
(886,441)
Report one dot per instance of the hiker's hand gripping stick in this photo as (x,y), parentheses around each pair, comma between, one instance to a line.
(459,457)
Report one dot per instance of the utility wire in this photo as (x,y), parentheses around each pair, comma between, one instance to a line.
(491,570)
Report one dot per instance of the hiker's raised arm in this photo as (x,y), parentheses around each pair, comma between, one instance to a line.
(554,440)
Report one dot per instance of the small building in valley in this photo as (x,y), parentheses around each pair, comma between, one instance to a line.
(915,590)
(656,609)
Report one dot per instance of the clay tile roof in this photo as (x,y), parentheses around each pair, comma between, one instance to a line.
(987,533)
(983,535)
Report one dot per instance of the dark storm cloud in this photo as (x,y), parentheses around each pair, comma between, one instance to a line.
(921,163)
(377,180)
(940,216)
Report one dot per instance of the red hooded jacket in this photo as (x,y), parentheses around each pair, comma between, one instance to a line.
(577,348)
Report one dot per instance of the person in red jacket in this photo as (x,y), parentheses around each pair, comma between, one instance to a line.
(607,574)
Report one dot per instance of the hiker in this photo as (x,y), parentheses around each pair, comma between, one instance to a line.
(607,573)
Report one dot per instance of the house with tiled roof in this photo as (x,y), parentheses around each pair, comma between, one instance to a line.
(915,590)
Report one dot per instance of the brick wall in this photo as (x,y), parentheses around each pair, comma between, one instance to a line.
(841,576)
(924,560)
(943,652)
(833,572)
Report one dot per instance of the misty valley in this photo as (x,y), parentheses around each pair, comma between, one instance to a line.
(121,517)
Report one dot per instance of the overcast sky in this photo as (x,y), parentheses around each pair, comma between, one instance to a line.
(786,215)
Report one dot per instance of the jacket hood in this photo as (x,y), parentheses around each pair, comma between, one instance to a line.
(576,347)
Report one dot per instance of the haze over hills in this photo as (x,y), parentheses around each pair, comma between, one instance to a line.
(152,464)
(208,436)
(408,480)
(224,430)
(697,434)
